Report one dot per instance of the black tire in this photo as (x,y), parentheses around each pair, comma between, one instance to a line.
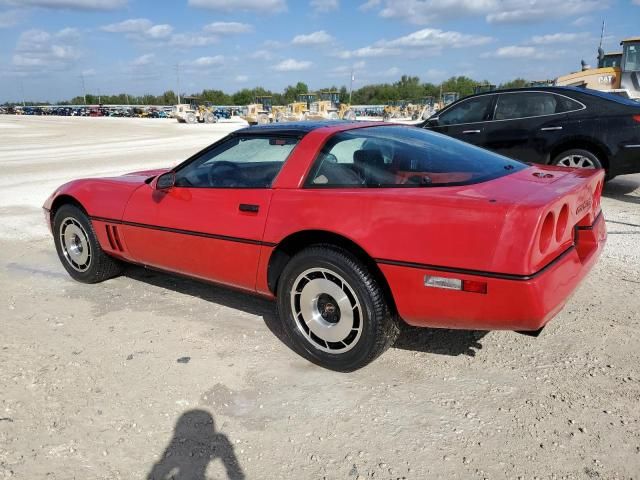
(590,159)
(98,266)
(372,317)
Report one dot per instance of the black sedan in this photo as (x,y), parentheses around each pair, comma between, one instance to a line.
(564,126)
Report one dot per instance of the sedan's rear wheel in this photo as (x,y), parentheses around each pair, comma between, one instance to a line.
(334,309)
(78,247)
(577,158)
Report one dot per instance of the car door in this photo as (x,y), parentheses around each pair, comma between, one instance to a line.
(210,223)
(465,120)
(526,124)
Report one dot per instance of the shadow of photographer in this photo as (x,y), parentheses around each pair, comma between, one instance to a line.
(194,445)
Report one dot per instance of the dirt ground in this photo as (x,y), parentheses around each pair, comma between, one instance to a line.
(148,375)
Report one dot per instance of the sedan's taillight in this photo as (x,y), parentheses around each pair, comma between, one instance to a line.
(636,118)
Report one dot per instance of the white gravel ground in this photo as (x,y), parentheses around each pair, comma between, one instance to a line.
(148,374)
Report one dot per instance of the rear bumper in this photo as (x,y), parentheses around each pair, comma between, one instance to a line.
(626,161)
(511,302)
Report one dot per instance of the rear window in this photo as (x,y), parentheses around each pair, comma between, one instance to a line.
(403,157)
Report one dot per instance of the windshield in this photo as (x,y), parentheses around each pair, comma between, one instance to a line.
(389,156)
(631,57)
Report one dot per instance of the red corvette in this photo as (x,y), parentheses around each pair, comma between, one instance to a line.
(352,227)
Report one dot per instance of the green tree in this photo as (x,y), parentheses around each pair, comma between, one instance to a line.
(515,83)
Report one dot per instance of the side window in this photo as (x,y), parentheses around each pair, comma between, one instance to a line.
(468,111)
(240,162)
(525,104)
(566,104)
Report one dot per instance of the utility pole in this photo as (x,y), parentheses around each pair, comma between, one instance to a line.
(99,98)
(351,86)
(22,90)
(178,80)
(84,90)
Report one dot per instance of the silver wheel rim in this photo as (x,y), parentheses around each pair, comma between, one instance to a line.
(576,161)
(75,245)
(326,310)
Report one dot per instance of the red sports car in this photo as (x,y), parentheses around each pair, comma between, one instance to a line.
(352,227)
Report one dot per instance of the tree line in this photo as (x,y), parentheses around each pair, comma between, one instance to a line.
(408,88)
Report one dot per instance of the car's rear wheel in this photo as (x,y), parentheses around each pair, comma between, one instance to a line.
(577,158)
(334,309)
(78,247)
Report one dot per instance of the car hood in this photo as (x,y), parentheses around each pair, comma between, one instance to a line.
(145,174)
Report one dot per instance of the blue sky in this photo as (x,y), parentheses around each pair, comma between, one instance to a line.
(48,46)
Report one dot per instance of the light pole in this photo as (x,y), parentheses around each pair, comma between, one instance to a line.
(351,86)
(178,80)
(84,90)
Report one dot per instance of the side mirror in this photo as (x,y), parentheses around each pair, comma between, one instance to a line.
(165,181)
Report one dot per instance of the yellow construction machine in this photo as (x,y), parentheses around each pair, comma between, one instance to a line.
(258,113)
(617,72)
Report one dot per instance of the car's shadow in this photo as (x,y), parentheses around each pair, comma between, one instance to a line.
(429,340)
(620,188)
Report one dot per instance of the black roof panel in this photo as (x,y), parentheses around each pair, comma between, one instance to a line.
(291,128)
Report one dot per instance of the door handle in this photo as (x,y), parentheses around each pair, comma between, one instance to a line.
(249,207)
(548,129)
(471,131)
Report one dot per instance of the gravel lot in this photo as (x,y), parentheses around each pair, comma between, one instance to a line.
(149,375)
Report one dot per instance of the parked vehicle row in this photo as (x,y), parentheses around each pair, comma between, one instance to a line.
(90,111)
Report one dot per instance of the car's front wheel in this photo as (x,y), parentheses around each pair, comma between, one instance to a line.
(334,310)
(78,247)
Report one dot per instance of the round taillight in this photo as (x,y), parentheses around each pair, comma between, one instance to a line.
(546,233)
(563,220)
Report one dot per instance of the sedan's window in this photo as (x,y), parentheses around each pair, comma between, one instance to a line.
(403,157)
(467,111)
(240,162)
(528,104)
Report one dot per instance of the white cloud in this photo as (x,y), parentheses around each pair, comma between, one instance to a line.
(432,37)
(208,61)
(268,6)
(261,55)
(581,21)
(139,29)
(347,69)
(291,65)
(527,11)
(159,31)
(143,60)
(90,72)
(370,5)
(315,38)
(190,40)
(71,4)
(515,52)
(241,78)
(555,38)
(636,2)
(494,11)
(228,28)
(371,51)
(133,25)
(40,49)
(324,6)
(428,41)
(390,72)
